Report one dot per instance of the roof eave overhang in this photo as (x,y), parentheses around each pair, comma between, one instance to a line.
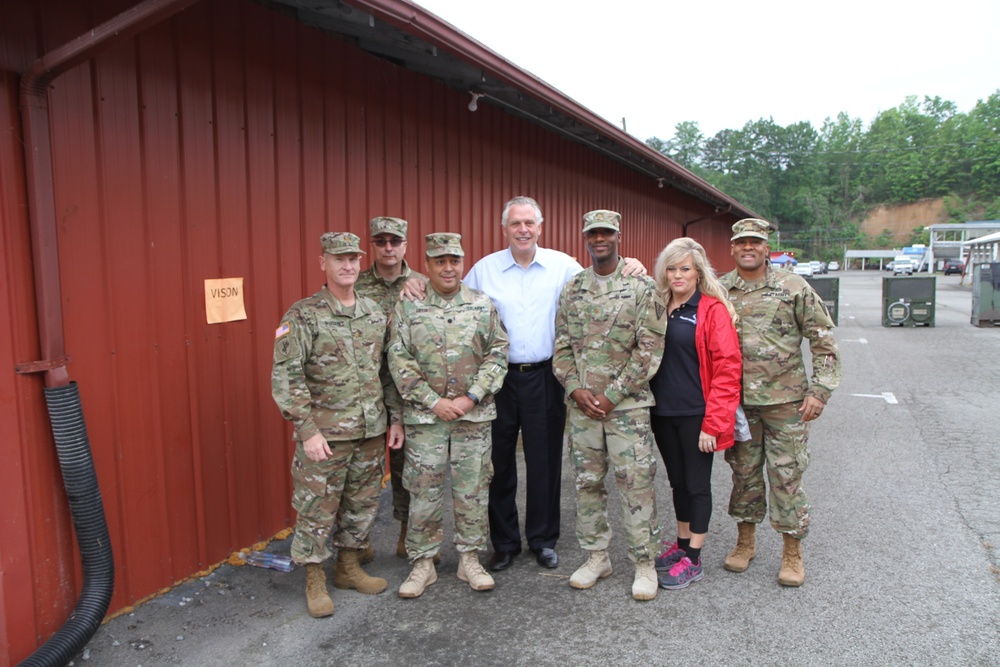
(417,40)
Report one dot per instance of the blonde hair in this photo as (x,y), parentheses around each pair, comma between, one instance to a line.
(708,283)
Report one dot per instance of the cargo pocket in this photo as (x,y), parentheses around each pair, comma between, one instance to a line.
(310,484)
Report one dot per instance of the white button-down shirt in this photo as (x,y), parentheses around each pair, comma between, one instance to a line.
(526,299)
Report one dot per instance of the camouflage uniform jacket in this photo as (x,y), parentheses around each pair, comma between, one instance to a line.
(370,284)
(325,376)
(446,348)
(609,337)
(775,313)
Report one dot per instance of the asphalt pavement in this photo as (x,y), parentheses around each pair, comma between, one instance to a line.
(902,564)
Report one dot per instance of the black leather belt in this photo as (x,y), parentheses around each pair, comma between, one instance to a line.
(524,368)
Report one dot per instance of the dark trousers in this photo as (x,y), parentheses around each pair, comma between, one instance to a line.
(688,468)
(530,402)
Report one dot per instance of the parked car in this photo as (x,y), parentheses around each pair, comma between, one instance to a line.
(833,266)
(953,266)
(818,267)
(803,269)
(902,267)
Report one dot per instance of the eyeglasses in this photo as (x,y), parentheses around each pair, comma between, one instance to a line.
(394,242)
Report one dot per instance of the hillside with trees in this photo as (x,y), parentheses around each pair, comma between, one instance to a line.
(817,183)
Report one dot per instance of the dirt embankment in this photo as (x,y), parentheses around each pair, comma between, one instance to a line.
(901,220)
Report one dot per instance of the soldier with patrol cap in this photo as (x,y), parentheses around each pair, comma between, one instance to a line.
(776,310)
(326,379)
(382,283)
(448,357)
(609,343)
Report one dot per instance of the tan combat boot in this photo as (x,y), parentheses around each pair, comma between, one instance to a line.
(421,576)
(471,570)
(645,585)
(598,566)
(739,558)
(792,572)
(318,600)
(401,543)
(347,573)
(367,554)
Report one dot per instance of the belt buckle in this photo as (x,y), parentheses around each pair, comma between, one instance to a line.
(525,367)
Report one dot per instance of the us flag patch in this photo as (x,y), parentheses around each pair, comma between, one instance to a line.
(282,330)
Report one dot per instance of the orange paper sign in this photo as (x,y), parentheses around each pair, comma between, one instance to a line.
(224,300)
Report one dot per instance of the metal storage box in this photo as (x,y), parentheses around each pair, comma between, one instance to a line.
(908,301)
(986,294)
(828,289)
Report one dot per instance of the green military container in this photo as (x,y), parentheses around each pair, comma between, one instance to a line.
(828,289)
(908,301)
(986,294)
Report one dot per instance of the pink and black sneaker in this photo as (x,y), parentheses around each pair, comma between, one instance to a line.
(681,574)
(669,558)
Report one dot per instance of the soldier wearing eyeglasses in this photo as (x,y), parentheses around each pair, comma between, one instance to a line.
(382,283)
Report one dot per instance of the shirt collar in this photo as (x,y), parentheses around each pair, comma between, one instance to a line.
(459,299)
(769,280)
(593,283)
(403,274)
(509,261)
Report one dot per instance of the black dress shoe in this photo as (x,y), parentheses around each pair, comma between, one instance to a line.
(546,557)
(501,560)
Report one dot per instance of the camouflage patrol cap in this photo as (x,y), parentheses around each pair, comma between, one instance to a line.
(602,220)
(384,225)
(444,243)
(341,243)
(751,227)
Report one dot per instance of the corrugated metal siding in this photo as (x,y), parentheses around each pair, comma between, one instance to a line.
(29,524)
(222,144)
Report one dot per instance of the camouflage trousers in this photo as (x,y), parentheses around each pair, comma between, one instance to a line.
(342,491)
(400,496)
(430,448)
(625,440)
(778,437)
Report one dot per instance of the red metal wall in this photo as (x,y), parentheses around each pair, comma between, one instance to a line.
(222,144)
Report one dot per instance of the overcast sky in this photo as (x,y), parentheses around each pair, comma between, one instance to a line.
(657,63)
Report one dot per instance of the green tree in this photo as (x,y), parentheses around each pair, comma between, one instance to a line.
(816,185)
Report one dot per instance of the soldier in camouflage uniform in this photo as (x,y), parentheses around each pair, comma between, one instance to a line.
(382,283)
(776,310)
(326,380)
(609,342)
(448,357)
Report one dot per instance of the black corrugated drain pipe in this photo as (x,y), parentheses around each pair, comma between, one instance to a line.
(84,496)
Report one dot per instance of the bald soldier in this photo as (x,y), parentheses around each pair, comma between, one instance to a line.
(448,358)
(326,380)
(777,310)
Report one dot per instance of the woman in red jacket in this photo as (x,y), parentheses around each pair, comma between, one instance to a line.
(697,390)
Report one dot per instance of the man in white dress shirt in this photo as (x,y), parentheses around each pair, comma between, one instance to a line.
(524,282)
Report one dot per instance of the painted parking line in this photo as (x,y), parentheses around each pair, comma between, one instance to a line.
(863,341)
(887,396)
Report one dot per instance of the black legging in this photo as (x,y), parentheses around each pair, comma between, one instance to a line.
(688,468)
